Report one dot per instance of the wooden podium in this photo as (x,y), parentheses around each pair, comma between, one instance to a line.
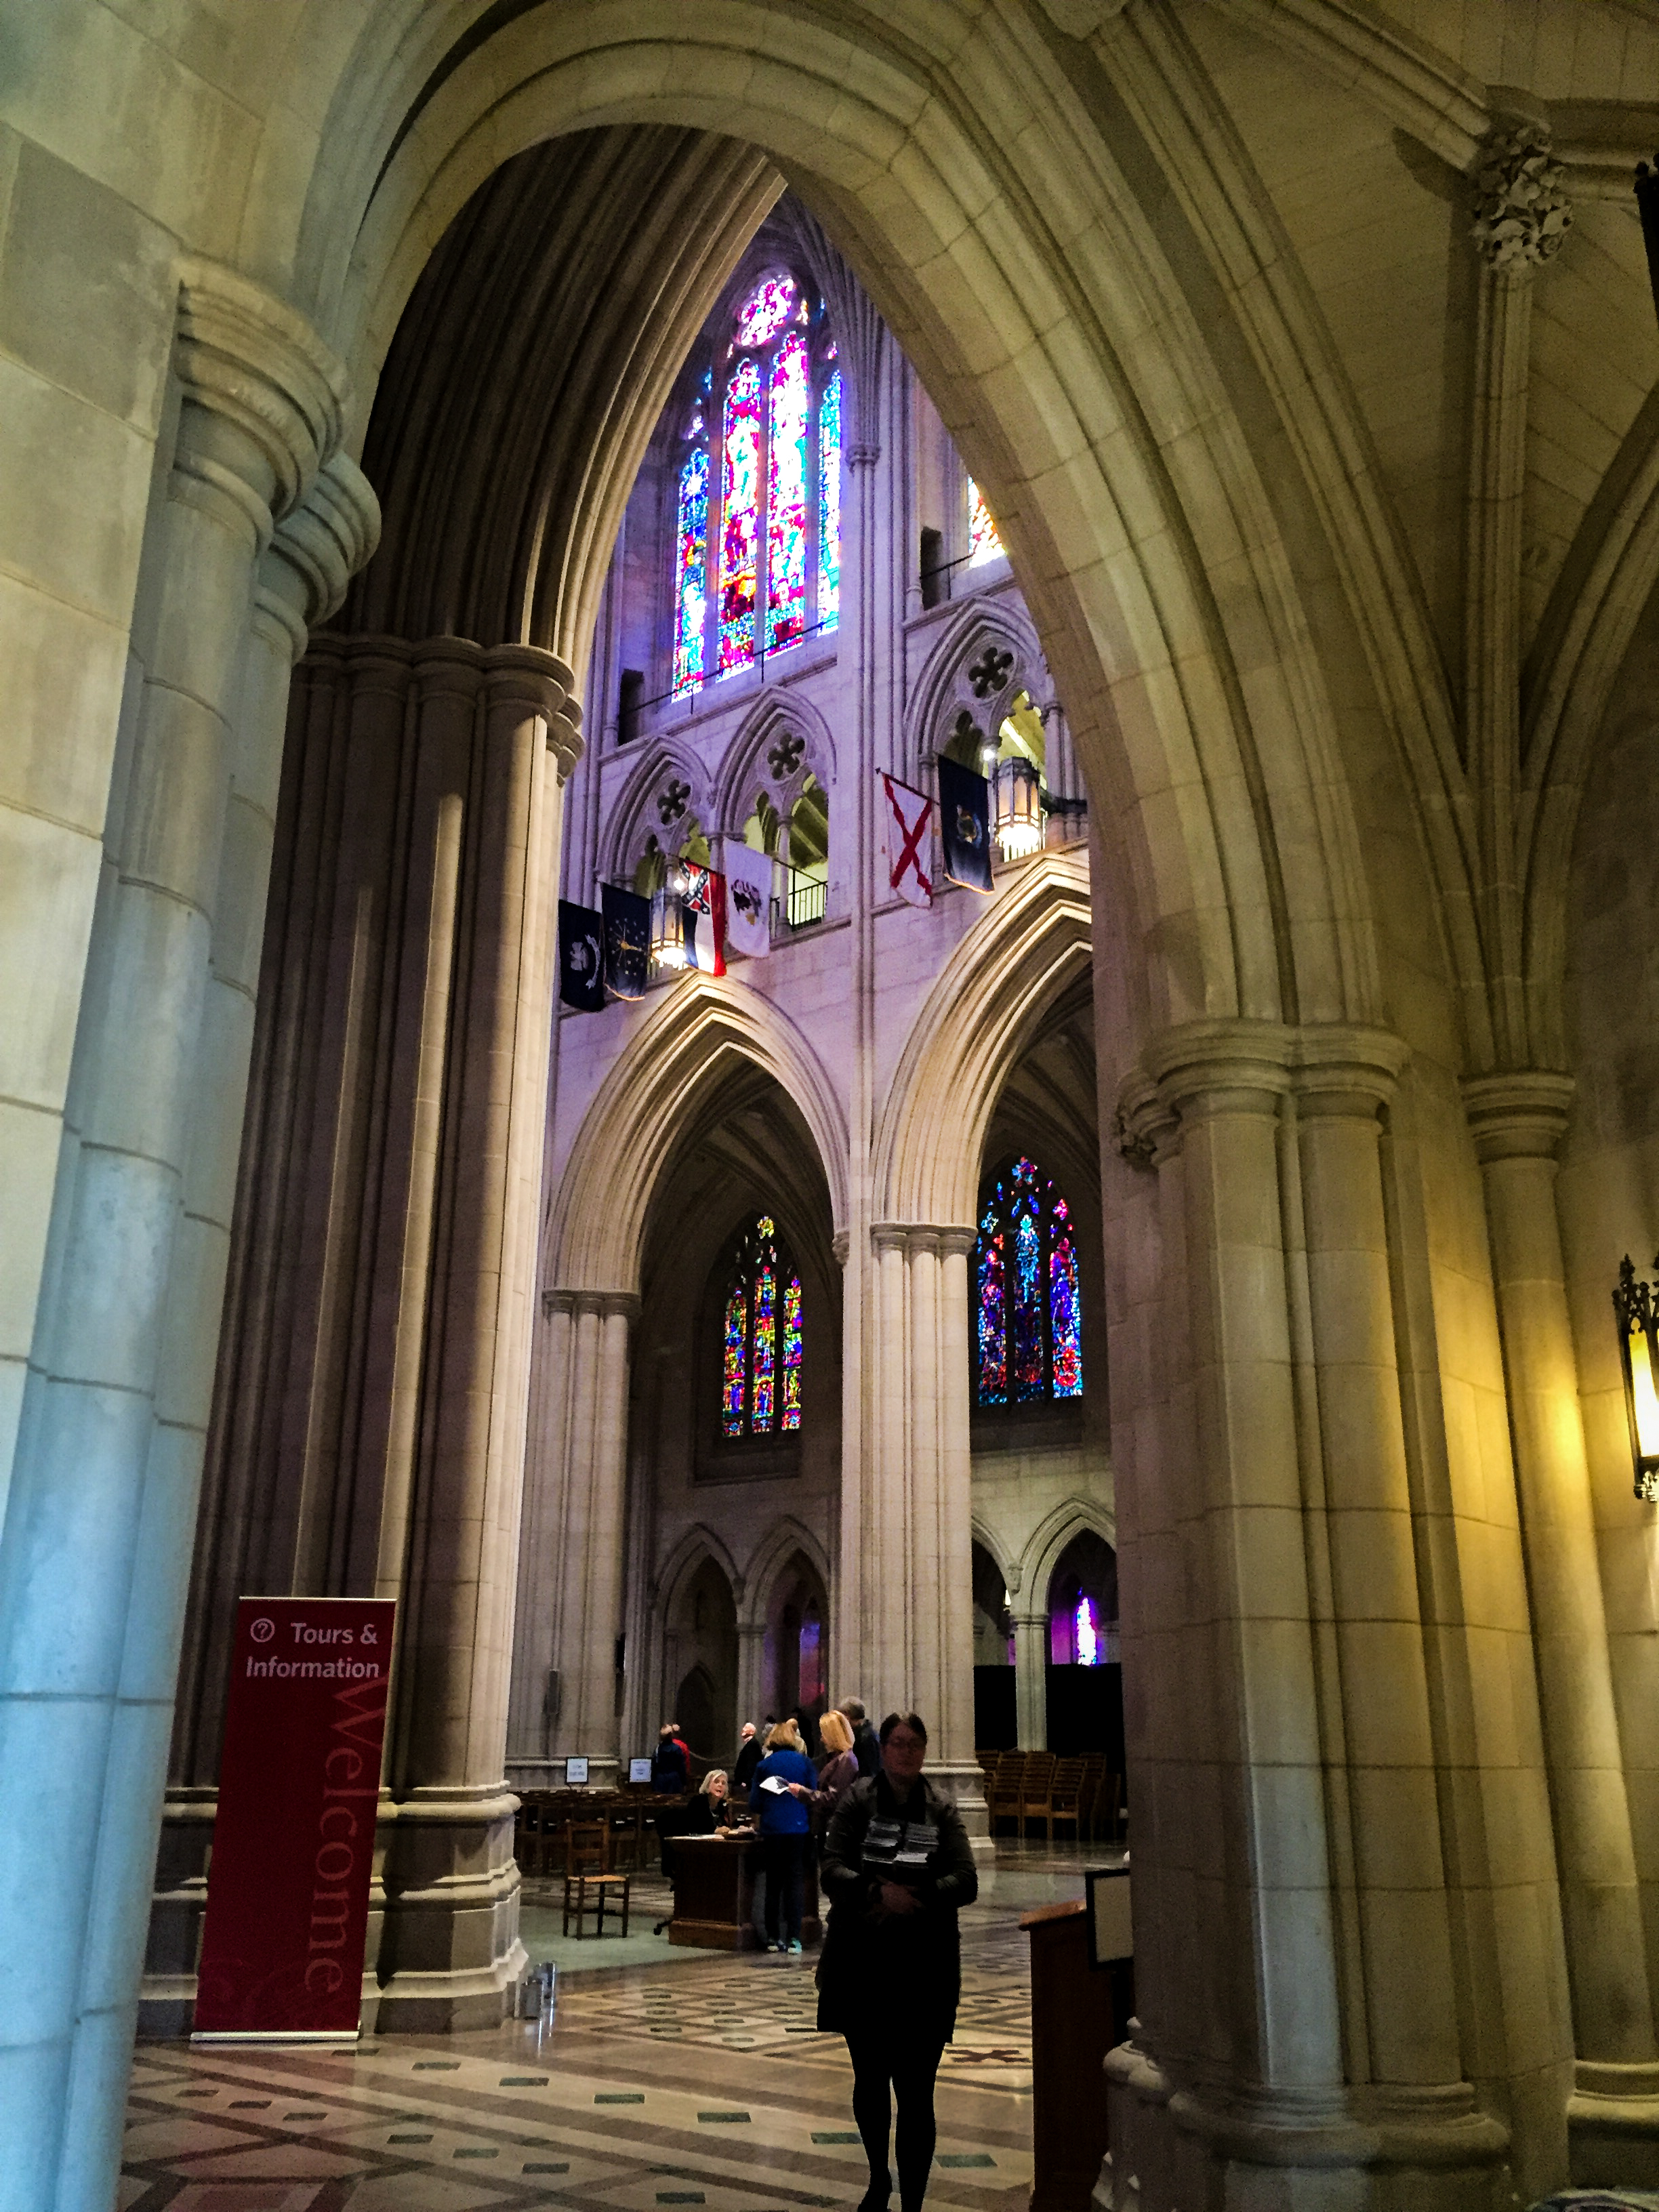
(1078,2013)
(714,1894)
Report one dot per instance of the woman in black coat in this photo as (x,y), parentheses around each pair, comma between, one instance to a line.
(897,1867)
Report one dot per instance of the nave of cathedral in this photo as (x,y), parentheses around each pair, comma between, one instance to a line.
(825,872)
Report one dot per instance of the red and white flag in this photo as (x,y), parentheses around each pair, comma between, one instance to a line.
(907,817)
(704,909)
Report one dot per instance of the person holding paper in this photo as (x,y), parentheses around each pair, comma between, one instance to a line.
(898,1869)
(786,1829)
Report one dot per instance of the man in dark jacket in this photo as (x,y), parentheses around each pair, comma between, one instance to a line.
(671,1764)
(897,1867)
(748,1758)
(865,1749)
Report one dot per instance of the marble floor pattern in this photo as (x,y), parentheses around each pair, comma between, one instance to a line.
(695,2079)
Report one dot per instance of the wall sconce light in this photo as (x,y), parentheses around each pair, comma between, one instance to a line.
(1638,1314)
(1019,808)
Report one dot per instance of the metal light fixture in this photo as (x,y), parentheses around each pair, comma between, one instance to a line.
(668,923)
(1018,794)
(1636,1311)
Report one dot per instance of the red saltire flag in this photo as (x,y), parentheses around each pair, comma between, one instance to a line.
(704,909)
(907,816)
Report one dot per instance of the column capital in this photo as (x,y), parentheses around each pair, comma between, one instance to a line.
(450,667)
(1521,211)
(604,1304)
(265,397)
(317,550)
(911,1237)
(841,1244)
(1519,1116)
(1341,1068)
(528,677)
(1236,1067)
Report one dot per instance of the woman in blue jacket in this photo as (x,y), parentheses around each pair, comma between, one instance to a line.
(782,1789)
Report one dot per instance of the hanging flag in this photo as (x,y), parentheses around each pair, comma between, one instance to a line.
(964,816)
(703,907)
(906,818)
(627,941)
(581,957)
(748,899)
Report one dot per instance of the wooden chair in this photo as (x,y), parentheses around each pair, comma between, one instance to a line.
(588,1872)
(1034,1788)
(1066,1796)
(1003,1795)
(1092,1802)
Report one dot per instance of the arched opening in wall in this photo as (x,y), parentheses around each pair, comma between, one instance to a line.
(996,1719)
(797,1655)
(1084,1682)
(704,1658)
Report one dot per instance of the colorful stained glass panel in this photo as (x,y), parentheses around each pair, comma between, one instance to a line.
(829,504)
(983,541)
(763,1405)
(785,501)
(691,585)
(765,312)
(734,1383)
(791,1350)
(991,1317)
(1027,1320)
(740,517)
(1064,1332)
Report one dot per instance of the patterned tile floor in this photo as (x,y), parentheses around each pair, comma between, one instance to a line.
(698,2079)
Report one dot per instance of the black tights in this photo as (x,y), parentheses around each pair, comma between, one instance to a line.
(910,2068)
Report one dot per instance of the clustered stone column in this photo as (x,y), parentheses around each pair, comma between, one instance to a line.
(109,1458)
(1288,1823)
(369,1420)
(1518,1120)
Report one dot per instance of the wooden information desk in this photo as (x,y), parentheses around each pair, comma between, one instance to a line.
(1078,2013)
(714,1894)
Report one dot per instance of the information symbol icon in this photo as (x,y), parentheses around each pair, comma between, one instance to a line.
(263,1630)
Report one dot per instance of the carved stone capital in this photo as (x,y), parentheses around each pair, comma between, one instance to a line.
(841,1244)
(528,679)
(448,667)
(1521,212)
(937,1239)
(1521,1115)
(1206,1068)
(317,550)
(602,1305)
(264,397)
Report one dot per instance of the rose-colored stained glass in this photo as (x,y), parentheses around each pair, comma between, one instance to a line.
(792,1350)
(829,504)
(734,1383)
(1064,1332)
(740,517)
(992,1319)
(983,541)
(765,312)
(1086,1635)
(786,500)
(691,590)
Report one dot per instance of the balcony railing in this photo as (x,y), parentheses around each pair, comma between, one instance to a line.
(805,901)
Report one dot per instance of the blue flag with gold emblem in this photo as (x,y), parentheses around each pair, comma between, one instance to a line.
(627,941)
(582,957)
(965,822)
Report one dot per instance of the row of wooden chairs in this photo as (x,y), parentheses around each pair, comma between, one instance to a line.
(625,1819)
(1026,1787)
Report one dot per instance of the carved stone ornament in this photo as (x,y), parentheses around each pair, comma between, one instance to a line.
(670,802)
(1521,212)
(784,756)
(990,672)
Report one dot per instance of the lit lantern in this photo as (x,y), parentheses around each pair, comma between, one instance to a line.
(668,924)
(1638,1314)
(1019,789)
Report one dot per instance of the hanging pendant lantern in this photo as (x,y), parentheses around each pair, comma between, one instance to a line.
(1637,1312)
(668,925)
(1019,808)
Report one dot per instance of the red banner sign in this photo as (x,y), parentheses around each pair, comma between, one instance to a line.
(294,1836)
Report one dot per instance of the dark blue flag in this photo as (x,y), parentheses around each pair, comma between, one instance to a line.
(581,957)
(964,820)
(627,941)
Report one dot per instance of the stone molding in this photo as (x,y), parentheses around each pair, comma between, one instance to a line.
(944,1239)
(1521,1115)
(1223,1067)
(602,1304)
(1521,211)
(247,360)
(316,550)
(448,667)
(528,676)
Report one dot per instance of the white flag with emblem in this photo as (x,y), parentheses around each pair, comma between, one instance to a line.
(748,899)
(908,815)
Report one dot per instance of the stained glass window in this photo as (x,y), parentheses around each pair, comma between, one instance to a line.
(1028,1313)
(691,587)
(829,504)
(740,517)
(983,541)
(1085,1632)
(765,312)
(762,1336)
(785,497)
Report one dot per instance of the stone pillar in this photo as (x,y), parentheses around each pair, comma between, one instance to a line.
(570,1572)
(1031,1680)
(104,1492)
(1518,1121)
(1296,2041)
(916,1559)
(752,1672)
(449,1948)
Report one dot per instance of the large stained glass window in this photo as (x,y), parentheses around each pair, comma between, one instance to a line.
(759,483)
(692,574)
(1028,1315)
(829,504)
(761,1343)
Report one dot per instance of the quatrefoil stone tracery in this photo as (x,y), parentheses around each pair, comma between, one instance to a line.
(784,756)
(670,802)
(990,672)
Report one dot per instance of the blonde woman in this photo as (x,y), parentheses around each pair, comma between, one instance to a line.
(839,1772)
(783,1790)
